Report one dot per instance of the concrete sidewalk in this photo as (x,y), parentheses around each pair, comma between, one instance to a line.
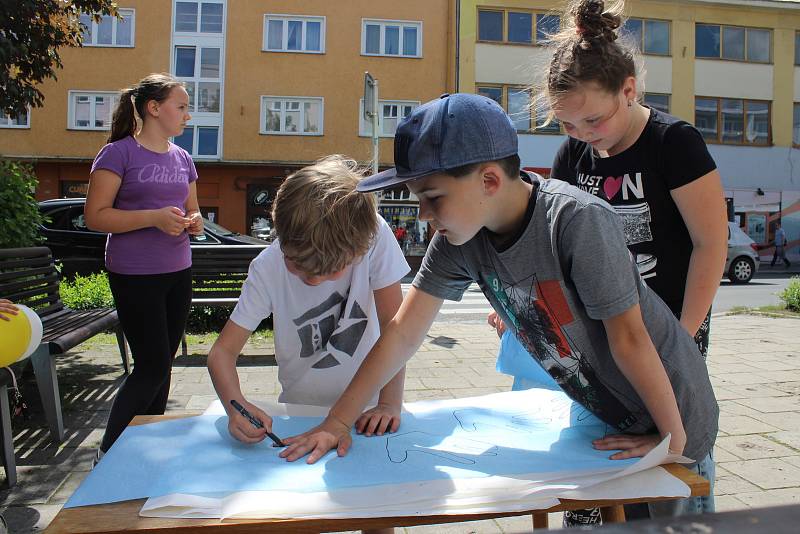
(754,364)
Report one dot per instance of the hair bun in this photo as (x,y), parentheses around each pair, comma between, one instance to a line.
(593,23)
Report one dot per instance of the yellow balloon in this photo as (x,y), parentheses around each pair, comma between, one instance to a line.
(20,336)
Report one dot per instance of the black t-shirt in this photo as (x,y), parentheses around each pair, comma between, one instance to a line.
(669,153)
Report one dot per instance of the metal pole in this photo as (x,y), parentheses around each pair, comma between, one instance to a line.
(375,138)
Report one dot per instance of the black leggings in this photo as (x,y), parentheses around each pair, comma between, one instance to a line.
(152,309)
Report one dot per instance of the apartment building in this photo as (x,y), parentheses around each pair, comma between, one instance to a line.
(273,84)
(731,67)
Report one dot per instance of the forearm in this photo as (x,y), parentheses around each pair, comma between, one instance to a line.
(384,361)
(392,393)
(639,362)
(222,368)
(702,281)
(116,221)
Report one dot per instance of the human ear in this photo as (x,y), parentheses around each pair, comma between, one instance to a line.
(629,89)
(152,108)
(491,177)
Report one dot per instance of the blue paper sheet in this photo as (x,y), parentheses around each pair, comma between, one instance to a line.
(534,431)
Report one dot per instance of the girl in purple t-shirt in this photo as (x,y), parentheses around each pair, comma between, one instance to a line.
(142,192)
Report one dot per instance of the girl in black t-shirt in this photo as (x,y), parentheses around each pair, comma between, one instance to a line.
(653,168)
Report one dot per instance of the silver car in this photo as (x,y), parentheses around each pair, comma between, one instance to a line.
(743,260)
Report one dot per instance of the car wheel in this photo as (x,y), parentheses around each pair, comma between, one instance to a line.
(741,270)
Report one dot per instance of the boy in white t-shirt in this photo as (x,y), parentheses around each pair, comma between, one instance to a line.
(331,281)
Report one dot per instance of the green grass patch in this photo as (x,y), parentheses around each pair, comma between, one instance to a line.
(105,339)
(767,311)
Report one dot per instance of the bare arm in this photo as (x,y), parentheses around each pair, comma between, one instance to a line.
(398,342)
(386,415)
(195,226)
(702,206)
(637,358)
(102,216)
(222,368)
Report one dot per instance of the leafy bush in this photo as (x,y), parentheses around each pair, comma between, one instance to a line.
(86,292)
(21,217)
(791,295)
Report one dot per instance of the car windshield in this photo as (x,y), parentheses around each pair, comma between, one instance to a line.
(217,229)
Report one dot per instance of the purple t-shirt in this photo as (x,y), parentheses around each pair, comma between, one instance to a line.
(150,180)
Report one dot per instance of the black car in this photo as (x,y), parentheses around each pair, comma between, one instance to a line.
(82,251)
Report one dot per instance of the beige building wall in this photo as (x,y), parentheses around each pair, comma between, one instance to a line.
(94,69)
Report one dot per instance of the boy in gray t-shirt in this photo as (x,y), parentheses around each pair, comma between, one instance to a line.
(553,262)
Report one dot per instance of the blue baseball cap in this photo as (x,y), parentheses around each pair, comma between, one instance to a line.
(451,131)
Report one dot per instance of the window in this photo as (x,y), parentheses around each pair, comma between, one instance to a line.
(733,42)
(284,33)
(391,38)
(22,120)
(657,101)
(517,103)
(390,113)
(649,36)
(199,68)
(291,115)
(797,48)
(199,17)
(796,125)
(91,110)
(200,141)
(516,26)
(733,121)
(109,31)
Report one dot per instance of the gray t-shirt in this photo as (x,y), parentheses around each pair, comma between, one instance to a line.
(567,271)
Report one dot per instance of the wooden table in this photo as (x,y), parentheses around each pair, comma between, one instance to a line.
(124,516)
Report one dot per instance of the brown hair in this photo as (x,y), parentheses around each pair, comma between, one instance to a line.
(152,87)
(587,50)
(510,165)
(323,223)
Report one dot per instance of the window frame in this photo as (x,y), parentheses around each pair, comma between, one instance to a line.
(7,121)
(744,102)
(262,120)
(199,19)
(72,94)
(297,18)
(114,23)
(746,59)
(640,45)
(795,126)
(382,23)
(534,118)
(365,127)
(505,11)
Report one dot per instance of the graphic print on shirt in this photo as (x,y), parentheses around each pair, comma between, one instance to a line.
(636,217)
(538,311)
(317,325)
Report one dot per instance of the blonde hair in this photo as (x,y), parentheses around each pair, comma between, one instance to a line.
(322,222)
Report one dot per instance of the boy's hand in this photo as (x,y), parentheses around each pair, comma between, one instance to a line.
(318,441)
(243,430)
(631,446)
(170,220)
(382,418)
(7,307)
(496,322)
(195,226)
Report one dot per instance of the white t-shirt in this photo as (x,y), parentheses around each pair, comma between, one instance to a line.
(322,333)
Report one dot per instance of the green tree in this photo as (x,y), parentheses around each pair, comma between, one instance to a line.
(19,225)
(31,33)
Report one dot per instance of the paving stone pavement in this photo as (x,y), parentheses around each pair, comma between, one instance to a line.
(754,364)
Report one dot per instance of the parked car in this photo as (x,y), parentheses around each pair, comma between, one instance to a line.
(743,260)
(82,251)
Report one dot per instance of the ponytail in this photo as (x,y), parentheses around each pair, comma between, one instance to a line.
(133,101)
(123,122)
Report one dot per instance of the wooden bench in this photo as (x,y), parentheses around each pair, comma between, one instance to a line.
(29,276)
(6,436)
(218,272)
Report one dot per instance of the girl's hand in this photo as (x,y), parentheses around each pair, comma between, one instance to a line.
(7,307)
(382,418)
(242,429)
(631,446)
(496,322)
(170,220)
(195,223)
(331,433)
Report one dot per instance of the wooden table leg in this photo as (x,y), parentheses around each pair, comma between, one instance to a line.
(540,521)
(613,514)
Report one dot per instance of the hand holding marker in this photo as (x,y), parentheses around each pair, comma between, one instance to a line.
(256,423)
